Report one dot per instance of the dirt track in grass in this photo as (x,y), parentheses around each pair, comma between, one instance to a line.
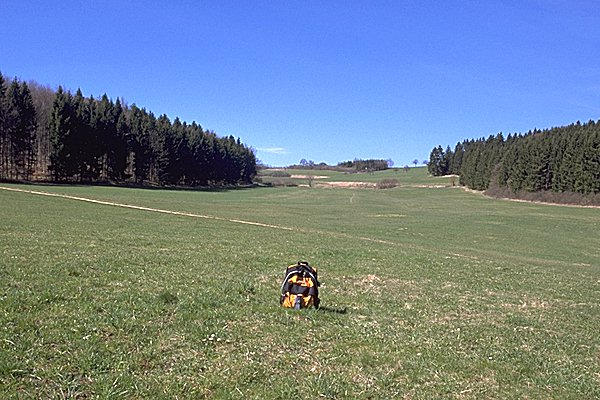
(482,193)
(110,203)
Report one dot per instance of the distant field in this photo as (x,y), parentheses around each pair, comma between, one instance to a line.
(413,176)
(427,293)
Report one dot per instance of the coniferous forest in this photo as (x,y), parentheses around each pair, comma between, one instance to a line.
(560,160)
(61,137)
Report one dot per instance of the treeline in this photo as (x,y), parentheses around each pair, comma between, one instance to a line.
(562,159)
(64,137)
(357,165)
(366,165)
(18,124)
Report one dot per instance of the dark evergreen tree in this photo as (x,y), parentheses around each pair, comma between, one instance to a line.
(457,159)
(24,135)
(62,127)
(180,153)
(3,130)
(116,151)
(201,148)
(447,161)
(437,163)
(121,153)
(142,124)
(42,97)
(161,150)
(81,142)
(19,124)
(11,126)
(105,128)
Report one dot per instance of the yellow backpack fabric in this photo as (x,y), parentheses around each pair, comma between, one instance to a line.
(300,287)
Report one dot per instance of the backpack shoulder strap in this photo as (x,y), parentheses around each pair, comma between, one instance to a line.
(291,271)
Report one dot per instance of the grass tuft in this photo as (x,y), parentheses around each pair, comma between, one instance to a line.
(167,297)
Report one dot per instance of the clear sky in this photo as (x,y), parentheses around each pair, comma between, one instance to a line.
(322,80)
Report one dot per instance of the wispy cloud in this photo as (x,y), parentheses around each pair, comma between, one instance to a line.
(272,150)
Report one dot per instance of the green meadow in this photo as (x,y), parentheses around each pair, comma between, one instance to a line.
(426,293)
(405,177)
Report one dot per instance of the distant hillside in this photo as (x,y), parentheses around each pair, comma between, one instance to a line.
(356,165)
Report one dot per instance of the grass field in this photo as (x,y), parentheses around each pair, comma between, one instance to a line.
(412,176)
(427,293)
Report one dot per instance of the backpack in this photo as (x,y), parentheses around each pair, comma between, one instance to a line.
(300,287)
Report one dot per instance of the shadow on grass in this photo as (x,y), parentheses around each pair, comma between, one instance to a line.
(333,310)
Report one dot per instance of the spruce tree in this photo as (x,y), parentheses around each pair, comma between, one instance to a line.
(447,161)
(105,128)
(121,153)
(19,123)
(80,142)
(61,128)
(25,134)
(3,131)
(437,163)
(161,150)
(201,146)
(141,124)
(11,126)
(94,138)
(181,154)
(457,159)
(116,148)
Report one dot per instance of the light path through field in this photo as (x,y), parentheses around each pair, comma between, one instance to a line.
(110,203)
(341,235)
(544,203)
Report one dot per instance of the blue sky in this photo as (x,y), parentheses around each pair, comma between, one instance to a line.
(322,80)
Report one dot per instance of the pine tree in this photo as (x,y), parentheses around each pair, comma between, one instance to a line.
(180,152)
(508,159)
(42,97)
(19,123)
(447,161)
(578,159)
(141,124)
(437,164)
(105,126)
(534,166)
(11,127)
(457,159)
(122,151)
(80,142)
(161,150)
(202,146)
(249,171)
(3,131)
(590,159)
(116,148)
(93,153)
(61,129)
(24,134)
(593,161)
(518,168)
